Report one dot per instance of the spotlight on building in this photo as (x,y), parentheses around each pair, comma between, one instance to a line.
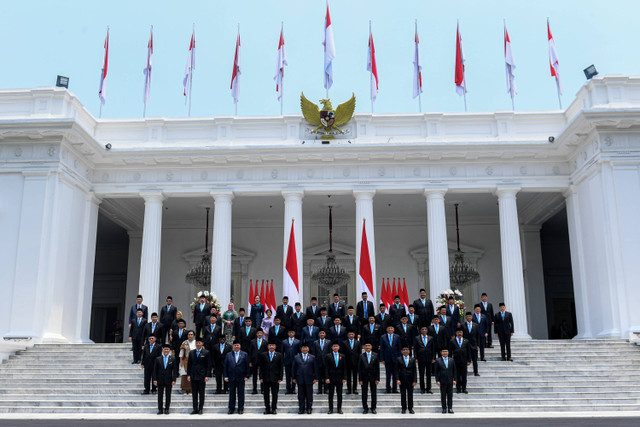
(107,146)
(62,81)
(552,138)
(590,72)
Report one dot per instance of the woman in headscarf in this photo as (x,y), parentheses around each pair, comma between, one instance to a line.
(188,345)
(228,317)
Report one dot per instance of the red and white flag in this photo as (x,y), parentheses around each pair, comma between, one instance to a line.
(553,59)
(147,69)
(417,67)
(405,294)
(291,284)
(281,61)
(389,295)
(262,294)
(235,75)
(461,81)
(329,50)
(383,293)
(191,65)
(372,68)
(102,92)
(272,298)
(365,273)
(252,297)
(510,65)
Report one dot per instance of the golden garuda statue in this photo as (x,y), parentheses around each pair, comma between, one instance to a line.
(327,118)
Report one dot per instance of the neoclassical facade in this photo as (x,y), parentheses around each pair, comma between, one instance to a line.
(511,173)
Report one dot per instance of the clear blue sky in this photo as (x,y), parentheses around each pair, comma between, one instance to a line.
(40,39)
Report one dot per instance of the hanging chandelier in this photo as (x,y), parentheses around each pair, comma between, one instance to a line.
(331,276)
(200,275)
(461,273)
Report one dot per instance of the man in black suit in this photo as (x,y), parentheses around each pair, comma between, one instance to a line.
(149,355)
(389,352)
(154,328)
(439,335)
(503,322)
(483,328)
(471,332)
(445,371)
(371,333)
(335,370)
(369,374)
(134,310)
(219,354)
(305,375)
(424,308)
(278,333)
(365,308)
(396,311)
(201,313)
(290,349)
(320,349)
(212,333)
(486,308)
(310,333)
(447,322)
(323,322)
(407,379)
(178,336)
(425,351)
(337,333)
(165,372)
(236,373)
(460,349)
(298,320)
(284,312)
(258,346)
(271,367)
(352,322)
(454,311)
(336,308)
(414,319)
(352,350)
(406,332)
(383,319)
(239,323)
(198,368)
(313,310)
(246,334)
(167,317)
(136,335)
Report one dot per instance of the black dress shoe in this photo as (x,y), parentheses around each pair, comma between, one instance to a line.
(404,411)
(194,412)
(355,391)
(154,391)
(510,359)
(145,392)
(230,411)
(340,411)
(254,392)
(166,412)
(365,411)
(465,391)
(308,411)
(134,362)
(504,359)
(444,411)
(300,412)
(411,411)
(429,391)
(450,411)
(476,375)
(396,391)
(160,412)
(483,360)
(240,411)
(266,412)
(373,411)
(422,391)
(200,412)
(348,392)
(274,412)
(329,412)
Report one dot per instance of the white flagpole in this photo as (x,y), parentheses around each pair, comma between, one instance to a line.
(370,68)
(282,75)
(418,80)
(464,77)
(558,88)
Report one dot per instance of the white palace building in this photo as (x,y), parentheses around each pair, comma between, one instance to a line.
(549,203)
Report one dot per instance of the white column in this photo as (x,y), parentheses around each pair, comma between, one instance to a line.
(437,242)
(221,252)
(534,281)
(364,209)
(512,274)
(149,286)
(87,264)
(293,210)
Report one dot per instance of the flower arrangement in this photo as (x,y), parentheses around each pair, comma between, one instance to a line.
(210,297)
(443,298)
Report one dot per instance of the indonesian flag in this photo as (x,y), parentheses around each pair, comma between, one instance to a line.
(553,59)
(394,292)
(252,297)
(102,93)
(191,65)
(329,50)
(461,82)
(383,293)
(235,75)
(417,68)
(262,294)
(389,296)
(365,273)
(147,68)
(405,294)
(272,297)
(372,68)
(281,61)
(291,285)
(510,65)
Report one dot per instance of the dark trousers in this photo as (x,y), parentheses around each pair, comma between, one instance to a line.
(392,376)
(136,346)
(461,376)
(305,396)
(446,395)
(490,336)
(482,346)
(199,331)
(406,395)
(289,379)
(322,386)
(335,386)
(424,369)
(254,374)
(271,402)
(164,391)
(148,371)
(474,359)
(236,388)
(505,346)
(366,386)
(197,393)
(352,378)
(220,383)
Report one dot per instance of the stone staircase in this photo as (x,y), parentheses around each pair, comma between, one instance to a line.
(585,375)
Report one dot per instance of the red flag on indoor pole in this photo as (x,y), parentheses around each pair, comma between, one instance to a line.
(272,297)
(405,292)
(291,284)
(389,296)
(365,273)
(252,297)
(262,299)
(460,79)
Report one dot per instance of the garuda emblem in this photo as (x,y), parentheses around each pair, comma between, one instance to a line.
(327,119)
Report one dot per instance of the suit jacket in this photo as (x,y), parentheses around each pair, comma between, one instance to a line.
(352,324)
(416,322)
(309,337)
(165,376)
(425,311)
(340,312)
(483,324)
(406,338)
(176,340)
(257,314)
(333,372)
(384,322)
(284,315)
(168,316)
(389,351)
(360,311)
(219,356)
(157,332)
(333,335)
(271,370)
(407,375)
(297,323)
(201,317)
(237,326)
(137,332)
(487,312)
(503,328)
(289,351)
(352,354)
(236,371)
(369,371)
(473,336)
(450,325)
(134,310)
(212,338)
(245,339)
(425,354)
(445,374)
(198,367)
(254,351)
(149,357)
(396,312)
(441,338)
(280,336)
(324,324)
(455,314)
(374,336)
(311,314)
(304,372)
(319,353)
(461,354)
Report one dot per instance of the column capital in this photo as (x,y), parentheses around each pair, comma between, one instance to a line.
(364,194)
(437,192)
(153,196)
(505,191)
(222,195)
(93,198)
(292,195)
(570,191)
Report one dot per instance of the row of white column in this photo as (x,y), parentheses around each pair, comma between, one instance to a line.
(512,273)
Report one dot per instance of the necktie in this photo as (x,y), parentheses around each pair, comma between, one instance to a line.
(259,342)
(371,327)
(335,355)
(151,348)
(165,362)
(469,326)
(180,333)
(153,326)
(485,305)
(277,330)
(298,314)
(248,329)
(365,310)
(423,304)
(271,356)
(351,344)
(390,339)
(168,307)
(241,321)
(338,329)
(369,357)
(459,343)
(221,348)
(304,357)
(406,361)
(197,353)
(139,318)
(503,315)
(212,328)
(310,330)
(398,306)
(424,340)
(237,355)
(478,317)
(411,315)
(444,319)
(322,345)
(446,362)
(436,329)
(290,341)
(314,312)
(201,306)
(404,326)
(336,307)
(382,316)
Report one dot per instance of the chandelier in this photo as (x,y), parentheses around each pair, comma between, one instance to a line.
(461,273)
(200,275)
(331,276)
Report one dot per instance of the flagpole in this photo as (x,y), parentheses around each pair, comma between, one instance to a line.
(558,88)
(191,70)
(102,76)
(464,78)
(418,81)
(371,68)
(282,75)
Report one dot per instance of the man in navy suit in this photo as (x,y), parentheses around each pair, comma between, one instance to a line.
(271,367)
(236,372)
(439,334)
(323,322)
(454,311)
(219,354)
(298,320)
(445,370)
(201,313)
(165,372)
(305,375)
(503,322)
(352,351)
(483,328)
(154,328)
(335,370)
(389,353)
(336,308)
(396,311)
(364,309)
(310,333)
(198,368)
(313,310)
(134,310)
(290,349)
(371,333)
(352,322)
(320,349)
(337,333)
